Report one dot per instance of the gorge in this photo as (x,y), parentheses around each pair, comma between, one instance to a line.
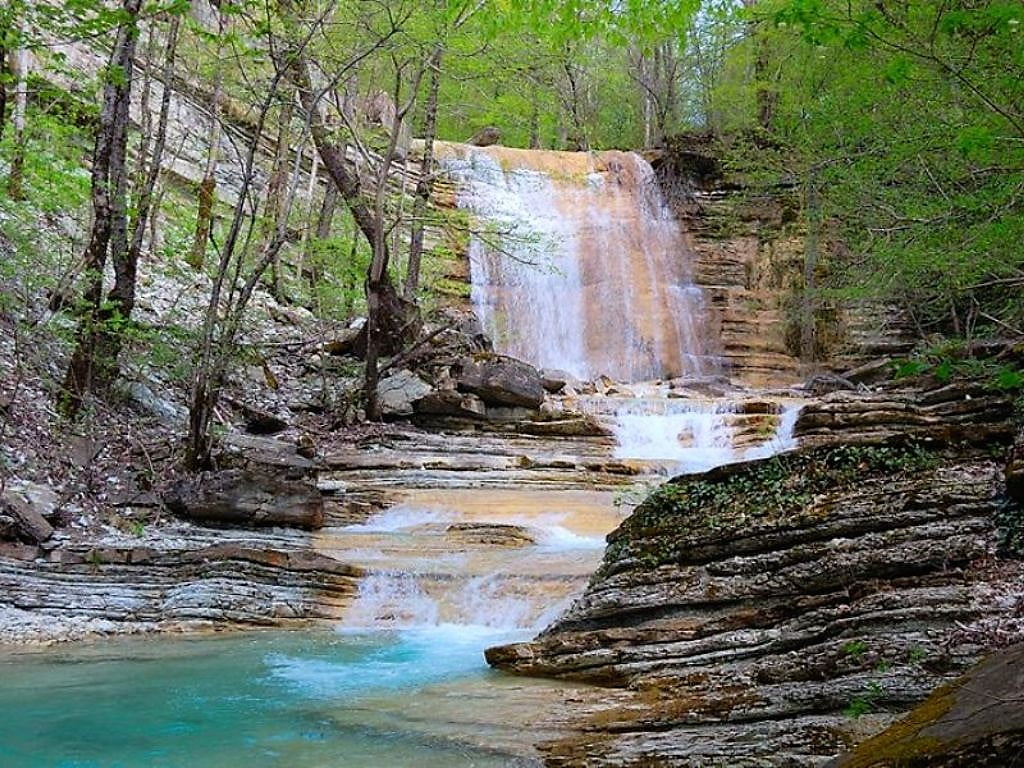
(717,628)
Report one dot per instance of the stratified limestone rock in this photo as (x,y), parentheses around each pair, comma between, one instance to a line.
(144,588)
(236,497)
(750,613)
(500,380)
(489,534)
(1015,469)
(975,722)
(962,411)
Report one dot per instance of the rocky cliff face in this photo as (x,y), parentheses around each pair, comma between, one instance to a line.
(749,246)
(773,613)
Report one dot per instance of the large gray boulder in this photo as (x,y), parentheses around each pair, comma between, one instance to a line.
(239,497)
(499,380)
(399,391)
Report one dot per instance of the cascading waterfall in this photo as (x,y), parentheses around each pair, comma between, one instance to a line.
(578,265)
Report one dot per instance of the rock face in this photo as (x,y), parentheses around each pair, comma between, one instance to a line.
(150,585)
(750,614)
(975,722)
(748,241)
(500,380)
(236,497)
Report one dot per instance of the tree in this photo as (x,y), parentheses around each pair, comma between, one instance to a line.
(94,357)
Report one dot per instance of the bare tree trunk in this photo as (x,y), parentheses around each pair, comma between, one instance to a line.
(534,116)
(425,183)
(124,289)
(15,178)
(207,196)
(808,324)
(324,223)
(5,29)
(274,201)
(109,227)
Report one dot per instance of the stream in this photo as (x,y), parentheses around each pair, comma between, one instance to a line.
(465,559)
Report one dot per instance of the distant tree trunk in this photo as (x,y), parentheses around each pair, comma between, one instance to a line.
(207,196)
(534,119)
(109,228)
(764,95)
(5,29)
(808,309)
(274,201)
(15,178)
(324,222)
(145,197)
(425,182)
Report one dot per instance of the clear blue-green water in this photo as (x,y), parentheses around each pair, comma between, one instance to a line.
(289,699)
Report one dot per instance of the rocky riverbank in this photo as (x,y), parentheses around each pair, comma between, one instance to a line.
(775,613)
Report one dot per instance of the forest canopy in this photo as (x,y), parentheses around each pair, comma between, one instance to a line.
(900,124)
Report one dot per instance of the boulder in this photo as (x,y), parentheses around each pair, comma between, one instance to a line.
(501,380)
(399,391)
(347,341)
(448,402)
(554,380)
(41,498)
(976,721)
(485,137)
(239,497)
(20,521)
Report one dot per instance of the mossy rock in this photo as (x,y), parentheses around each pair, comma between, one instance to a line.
(975,722)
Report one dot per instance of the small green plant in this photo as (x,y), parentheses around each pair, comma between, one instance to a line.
(865,702)
(916,654)
(137,528)
(855,649)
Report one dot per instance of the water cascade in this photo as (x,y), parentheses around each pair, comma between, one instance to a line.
(578,265)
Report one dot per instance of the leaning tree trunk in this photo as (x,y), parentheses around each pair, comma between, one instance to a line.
(391,320)
(109,227)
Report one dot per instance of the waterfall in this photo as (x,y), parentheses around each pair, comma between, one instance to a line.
(577,263)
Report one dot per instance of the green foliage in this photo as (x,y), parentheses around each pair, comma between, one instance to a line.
(866,701)
(952,360)
(855,648)
(909,117)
